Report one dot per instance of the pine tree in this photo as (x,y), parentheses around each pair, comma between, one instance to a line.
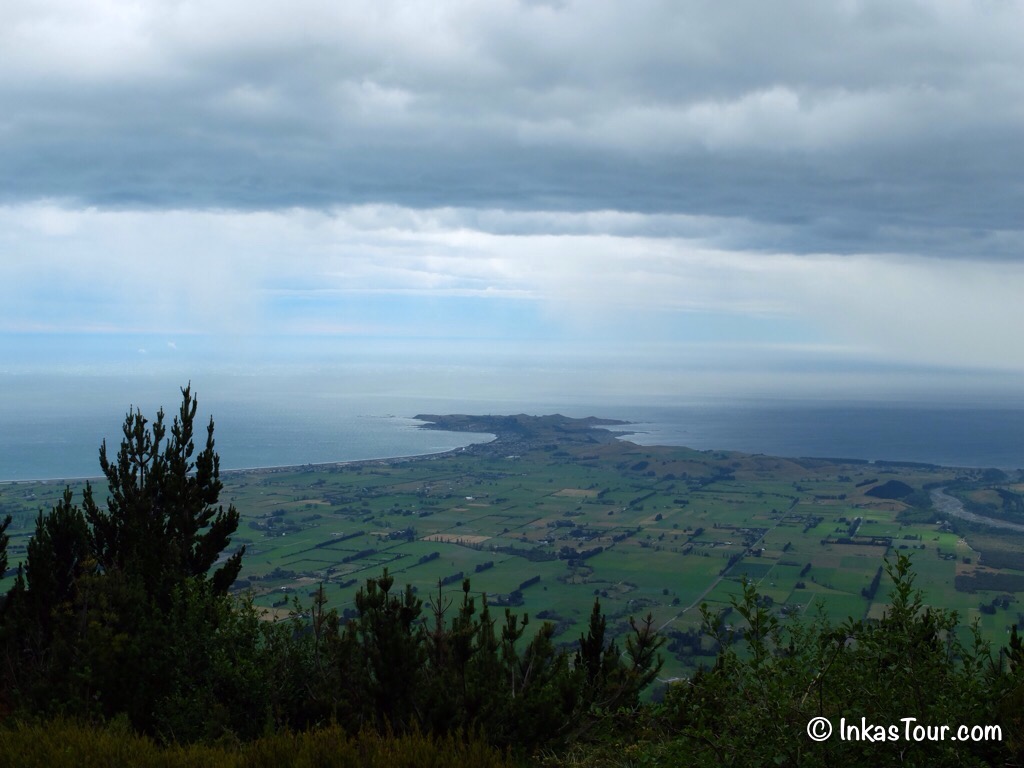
(90,606)
(39,634)
(390,644)
(56,557)
(4,541)
(592,655)
(161,522)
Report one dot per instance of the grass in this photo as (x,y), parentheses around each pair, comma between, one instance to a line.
(75,745)
(669,522)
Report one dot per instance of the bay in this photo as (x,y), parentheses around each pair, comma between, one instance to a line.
(51,427)
(949,435)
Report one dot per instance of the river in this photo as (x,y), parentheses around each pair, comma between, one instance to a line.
(950,505)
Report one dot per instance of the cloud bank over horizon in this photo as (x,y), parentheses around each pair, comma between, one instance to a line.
(803,188)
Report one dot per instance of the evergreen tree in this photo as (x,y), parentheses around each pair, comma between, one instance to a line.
(40,633)
(123,592)
(389,644)
(4,541)
(591,656)
(57,556)
(753,706)
(162,523)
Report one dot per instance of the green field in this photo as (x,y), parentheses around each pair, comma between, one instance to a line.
(549,523)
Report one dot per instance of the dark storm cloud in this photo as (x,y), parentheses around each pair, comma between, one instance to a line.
(825,127)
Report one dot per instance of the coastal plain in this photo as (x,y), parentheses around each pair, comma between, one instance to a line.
(557,512)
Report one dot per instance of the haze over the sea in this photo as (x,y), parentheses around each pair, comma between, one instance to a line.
(53,426)
(527,203)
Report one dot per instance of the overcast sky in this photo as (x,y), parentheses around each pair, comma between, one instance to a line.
(680,195)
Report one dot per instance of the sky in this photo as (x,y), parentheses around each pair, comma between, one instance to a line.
(632,199)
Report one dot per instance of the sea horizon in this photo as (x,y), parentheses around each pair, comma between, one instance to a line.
(50,436)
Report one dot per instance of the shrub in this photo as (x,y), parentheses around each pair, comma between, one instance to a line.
(66,744)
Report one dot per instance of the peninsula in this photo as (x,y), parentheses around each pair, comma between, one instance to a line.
(521,432)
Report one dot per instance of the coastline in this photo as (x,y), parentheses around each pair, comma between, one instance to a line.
(512,433)
(500,437)
(274,468)
(351,462)
(32,452)
(505,432)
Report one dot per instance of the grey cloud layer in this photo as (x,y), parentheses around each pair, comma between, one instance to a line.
(364,271)
(819,127)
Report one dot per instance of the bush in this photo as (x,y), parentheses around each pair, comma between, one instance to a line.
(753,706)
(66,744)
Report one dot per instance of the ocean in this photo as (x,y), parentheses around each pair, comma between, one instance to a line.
(949,435)
(51,428)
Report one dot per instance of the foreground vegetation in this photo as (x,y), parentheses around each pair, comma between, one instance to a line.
(123,610)
(125,639)
(750,708)
(65,744)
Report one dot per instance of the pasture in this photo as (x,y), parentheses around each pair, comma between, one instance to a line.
(547,529)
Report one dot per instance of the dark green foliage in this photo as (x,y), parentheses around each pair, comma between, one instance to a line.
(58,556)
(1010,705)
(4,541)
(161,522)
(62,744)
(611,684)
(891,489)
(387,642)
(1013,503)
(112,602)
(592,657)
(459,668)
(871,590)
(120,612)
(216,659)
(993,582)
(752,707)
(41,624)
